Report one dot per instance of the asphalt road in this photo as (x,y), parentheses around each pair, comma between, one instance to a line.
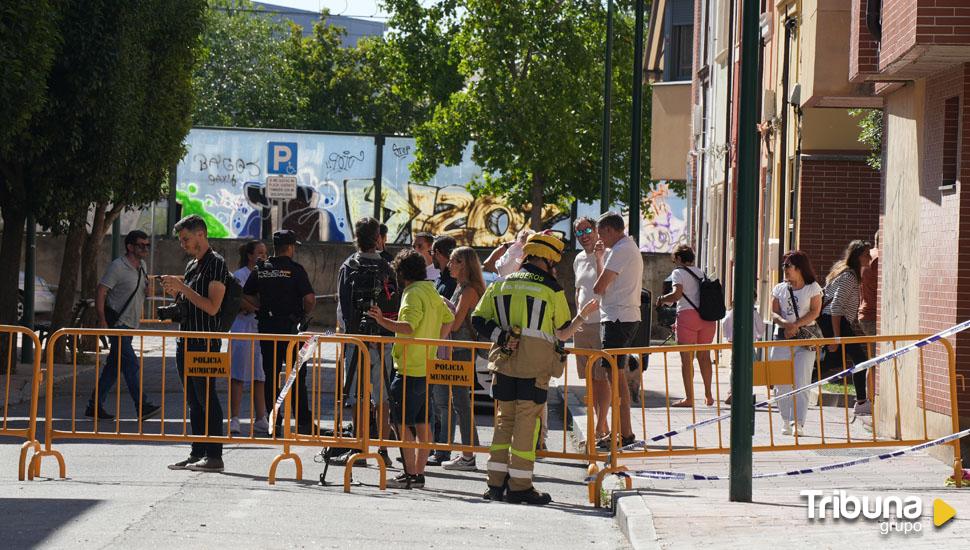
(120,494)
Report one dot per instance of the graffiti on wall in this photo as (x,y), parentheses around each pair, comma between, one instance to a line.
(222,178)
(450,210)
(666,225)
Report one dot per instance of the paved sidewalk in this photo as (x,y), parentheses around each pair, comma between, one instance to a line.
(690,514)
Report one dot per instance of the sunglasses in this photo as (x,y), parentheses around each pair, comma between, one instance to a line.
(786,265)
(584,232)
(143,246)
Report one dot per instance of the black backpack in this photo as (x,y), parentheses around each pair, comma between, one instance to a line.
(231,303)
(374,280)
(711,306)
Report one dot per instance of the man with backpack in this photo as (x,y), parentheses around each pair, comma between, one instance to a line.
(365,279)
(280,290)
(619,282)
(199,297)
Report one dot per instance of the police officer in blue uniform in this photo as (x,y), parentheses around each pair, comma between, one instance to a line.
(280,289)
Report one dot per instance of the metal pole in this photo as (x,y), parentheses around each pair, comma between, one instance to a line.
(742,352)
(378,176)
(634,224)
(116,238)
(30,249)
(607,101)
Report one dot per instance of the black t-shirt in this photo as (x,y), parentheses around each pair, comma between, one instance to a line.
(281,285)
(198,275)
(446,284)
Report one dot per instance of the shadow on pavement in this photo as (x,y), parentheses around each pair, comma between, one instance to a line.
(27,523)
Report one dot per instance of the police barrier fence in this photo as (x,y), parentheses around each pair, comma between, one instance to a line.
(455,381)
(146,364)
(17,421)
(666,432)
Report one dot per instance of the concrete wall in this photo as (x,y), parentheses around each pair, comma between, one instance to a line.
(670,119)
(908,251)
(321,260)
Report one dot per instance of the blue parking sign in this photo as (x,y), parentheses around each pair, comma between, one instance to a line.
(282,158)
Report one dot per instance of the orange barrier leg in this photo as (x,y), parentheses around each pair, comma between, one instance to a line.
(598,484)
(33,469)
(286,454)
(22,469)
(349,469)
(592,471)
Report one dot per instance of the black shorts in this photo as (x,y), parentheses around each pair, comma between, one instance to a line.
(409,404)
(618,334)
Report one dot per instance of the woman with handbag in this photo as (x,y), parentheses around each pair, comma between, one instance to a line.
(841,312)
(795,305)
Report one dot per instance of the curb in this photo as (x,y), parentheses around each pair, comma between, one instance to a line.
(635,520)
(633,517)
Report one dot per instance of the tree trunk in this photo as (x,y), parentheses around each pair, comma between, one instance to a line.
(91,252)
(535,215)
(67,282)
(10,249)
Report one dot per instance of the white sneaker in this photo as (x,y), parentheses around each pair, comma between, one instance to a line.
(261,426)
(234,426)
(787,429)
(461,463)
(863,408)
(800,430)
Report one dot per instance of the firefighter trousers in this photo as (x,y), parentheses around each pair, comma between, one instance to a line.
(513,450)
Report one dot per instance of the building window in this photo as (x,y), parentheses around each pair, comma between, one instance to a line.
(951,139)
(682,41)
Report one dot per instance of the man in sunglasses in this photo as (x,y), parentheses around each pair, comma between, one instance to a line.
(119,300)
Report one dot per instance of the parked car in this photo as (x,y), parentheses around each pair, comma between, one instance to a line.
(43,297)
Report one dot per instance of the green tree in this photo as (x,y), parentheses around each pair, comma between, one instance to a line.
(29,40)
(136,130)
(532,102)
(244,76)
(870,133)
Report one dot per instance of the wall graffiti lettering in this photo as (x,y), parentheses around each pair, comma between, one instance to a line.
(401,151)
(341,162)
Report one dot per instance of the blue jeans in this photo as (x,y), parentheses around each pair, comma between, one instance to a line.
(129,370)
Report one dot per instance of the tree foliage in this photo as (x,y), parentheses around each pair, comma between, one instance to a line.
(870,133)
(532,101)
(116,109)
(244,75)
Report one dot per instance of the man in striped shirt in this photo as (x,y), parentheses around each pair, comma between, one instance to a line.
(201,291)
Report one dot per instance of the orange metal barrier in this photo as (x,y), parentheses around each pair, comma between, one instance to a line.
(8,427)
(835,428)
(379,348)
(61,424)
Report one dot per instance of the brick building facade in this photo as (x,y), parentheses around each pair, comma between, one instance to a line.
(922,71)
(839,195)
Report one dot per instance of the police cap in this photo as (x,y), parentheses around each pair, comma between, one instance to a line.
(284,237)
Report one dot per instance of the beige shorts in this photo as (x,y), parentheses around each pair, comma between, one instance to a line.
(589,338)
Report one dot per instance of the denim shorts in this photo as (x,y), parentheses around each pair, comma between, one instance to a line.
(409,400)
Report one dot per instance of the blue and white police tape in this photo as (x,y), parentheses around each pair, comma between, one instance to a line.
(660,474)
(304,355)
(856,368)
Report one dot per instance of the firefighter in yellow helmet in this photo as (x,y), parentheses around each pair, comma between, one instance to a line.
(525,316)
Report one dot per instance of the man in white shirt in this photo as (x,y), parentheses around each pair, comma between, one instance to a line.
(619,282)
